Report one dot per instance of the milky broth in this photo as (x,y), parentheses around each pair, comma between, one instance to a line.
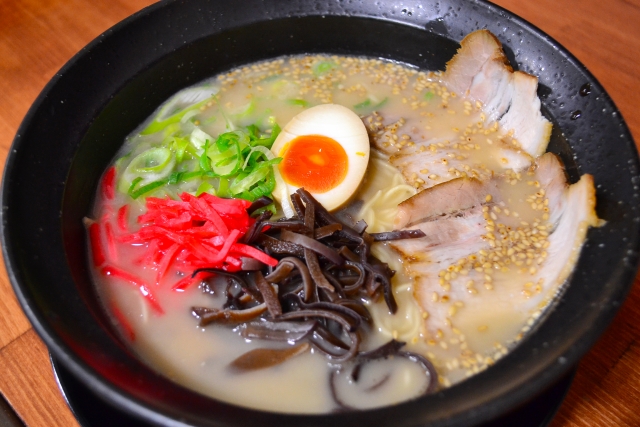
(384,94)
(198,357)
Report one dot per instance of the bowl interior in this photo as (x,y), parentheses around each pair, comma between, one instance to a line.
(82,117)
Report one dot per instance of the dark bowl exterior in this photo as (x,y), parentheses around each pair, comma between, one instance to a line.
(81,118)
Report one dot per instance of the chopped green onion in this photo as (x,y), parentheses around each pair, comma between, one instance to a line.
(133,184)
(300,102)
(323,67)
(367,106)
(362,105)
(151,165)
(227,139)
(146,188)
(245,183)
(429,95)
(152,160)
(225,162)
(189,115)
(175,178)
(245,111)
(268,141)
(158,125)
(171,129)
(191,175)
(265,188)
(223,188)
(205,187)
(261,150)
(239,162)
(205,163)
(199,138)
(254,132)
(180,146)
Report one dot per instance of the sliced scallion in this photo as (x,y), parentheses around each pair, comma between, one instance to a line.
(205,187)
(227,162)
(199,138)
(179,145)
(205,163)
(223,188)
(158,125)
(299,102)
(152,160)
(245,183)
(147,188)
(133,185)
(369,105)
(151,165)
(259,150)
(323,67)
(237,163)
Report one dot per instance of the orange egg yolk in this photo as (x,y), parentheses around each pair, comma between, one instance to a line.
(315,162)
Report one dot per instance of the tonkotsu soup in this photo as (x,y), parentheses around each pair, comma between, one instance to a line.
(324,233)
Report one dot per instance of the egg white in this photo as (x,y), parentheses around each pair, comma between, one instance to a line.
(342,125)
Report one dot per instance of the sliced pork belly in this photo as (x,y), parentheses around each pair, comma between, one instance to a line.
(493,85)
(426,168)
(480,274)
(481,71)
(523,118)
(499,128)
(450,197)
(476,51)
(573,214)
(548,169)
(466,226)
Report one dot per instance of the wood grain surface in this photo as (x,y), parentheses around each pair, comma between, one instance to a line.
(38,36)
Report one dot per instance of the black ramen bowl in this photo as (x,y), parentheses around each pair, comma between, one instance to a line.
(82,116)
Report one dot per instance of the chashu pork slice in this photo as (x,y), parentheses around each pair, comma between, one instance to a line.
(524,118)
(516,131)
(461,232)
(477,50)
(425,168)
(572,214)
(481,71)
(481,274)
(445,199)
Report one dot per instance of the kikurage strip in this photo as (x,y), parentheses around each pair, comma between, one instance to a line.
(326,231)
(312,244)
(269,295)
(311,314)
(344,311)
(316,271)
(256,227)
(259,203)
(279,247)
(229,316)
(279,330)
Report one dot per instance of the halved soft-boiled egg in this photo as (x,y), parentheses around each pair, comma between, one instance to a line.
(325,150)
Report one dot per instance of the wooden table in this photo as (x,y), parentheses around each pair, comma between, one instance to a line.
(38,36)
